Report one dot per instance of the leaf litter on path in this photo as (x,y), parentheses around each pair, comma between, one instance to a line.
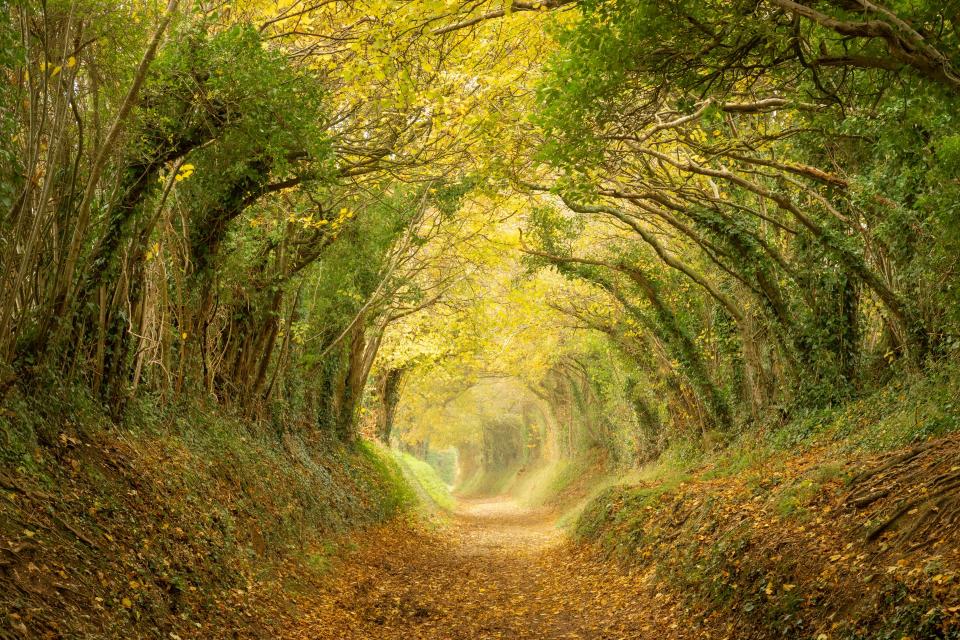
(496,571)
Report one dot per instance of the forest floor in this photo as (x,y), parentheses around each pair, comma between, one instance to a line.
(495,570)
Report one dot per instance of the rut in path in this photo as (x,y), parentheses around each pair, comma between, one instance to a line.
(496,572)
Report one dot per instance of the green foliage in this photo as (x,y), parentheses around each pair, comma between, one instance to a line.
(444,464)
(353,267)
(29,423)
(823,227)
(554,230)
(261,118)
(10,54)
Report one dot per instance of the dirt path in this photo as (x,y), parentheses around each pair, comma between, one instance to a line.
(497,571)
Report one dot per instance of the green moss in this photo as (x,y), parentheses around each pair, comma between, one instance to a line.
(321,557)
(793,500)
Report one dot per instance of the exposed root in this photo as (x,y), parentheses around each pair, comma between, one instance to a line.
(865,501)
(927,478)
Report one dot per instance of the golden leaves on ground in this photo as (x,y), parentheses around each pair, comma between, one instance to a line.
(496,572)
(715,556)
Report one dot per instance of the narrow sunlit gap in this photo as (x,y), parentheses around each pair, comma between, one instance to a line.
(480,319)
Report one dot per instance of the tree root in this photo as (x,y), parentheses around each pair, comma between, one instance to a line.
(905,457)
(943,492)
(927,480)
(867,500)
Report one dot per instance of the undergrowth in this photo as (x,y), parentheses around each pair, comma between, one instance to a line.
(773,535)
(177,522)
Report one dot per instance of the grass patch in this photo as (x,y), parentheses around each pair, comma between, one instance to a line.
(488,483)
(427,478)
